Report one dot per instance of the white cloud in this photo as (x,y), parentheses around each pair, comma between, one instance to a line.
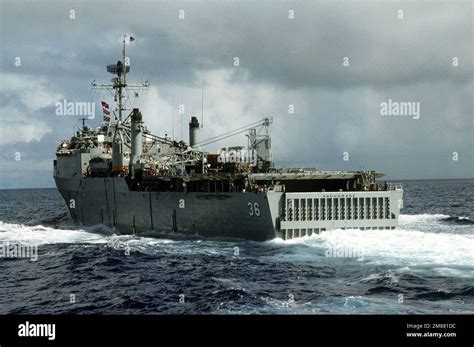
(19,121)
(16,127)
(227,106)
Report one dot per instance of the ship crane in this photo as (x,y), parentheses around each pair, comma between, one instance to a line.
(262,124)
(193,154)
(259,142)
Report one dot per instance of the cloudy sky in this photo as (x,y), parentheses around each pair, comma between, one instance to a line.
(334,62)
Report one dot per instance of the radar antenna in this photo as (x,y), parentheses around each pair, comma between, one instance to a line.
(119,83)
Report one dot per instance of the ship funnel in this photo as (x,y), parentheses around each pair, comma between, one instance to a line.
(193,132)
(136,137)
(117,156)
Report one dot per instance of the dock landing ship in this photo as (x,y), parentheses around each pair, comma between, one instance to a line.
(121,175)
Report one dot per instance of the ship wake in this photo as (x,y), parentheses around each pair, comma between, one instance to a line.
(420,240)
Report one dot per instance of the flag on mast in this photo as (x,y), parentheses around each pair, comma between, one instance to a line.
(106,111)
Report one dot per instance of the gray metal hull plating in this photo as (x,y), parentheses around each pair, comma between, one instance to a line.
(108,201)
(253,216)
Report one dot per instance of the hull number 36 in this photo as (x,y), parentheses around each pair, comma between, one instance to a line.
(254,209)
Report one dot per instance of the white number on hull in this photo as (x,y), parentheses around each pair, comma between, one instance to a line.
(254,209)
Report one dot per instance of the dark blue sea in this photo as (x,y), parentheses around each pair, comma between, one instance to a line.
(425,266)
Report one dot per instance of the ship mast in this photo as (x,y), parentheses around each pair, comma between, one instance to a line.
(119,86)
(123,82)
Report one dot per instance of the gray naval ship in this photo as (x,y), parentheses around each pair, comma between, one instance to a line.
(123,176)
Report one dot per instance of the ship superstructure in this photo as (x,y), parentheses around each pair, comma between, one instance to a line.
(123,176)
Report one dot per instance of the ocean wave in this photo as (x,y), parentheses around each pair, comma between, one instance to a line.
(42,235)
(60,220)
(409,218)
(426,219)
(458,220)
(405,247)
(412,243)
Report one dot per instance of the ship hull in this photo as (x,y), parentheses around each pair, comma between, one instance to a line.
(253,216)
(108,201)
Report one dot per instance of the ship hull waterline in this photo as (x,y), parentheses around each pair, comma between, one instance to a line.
(245,215)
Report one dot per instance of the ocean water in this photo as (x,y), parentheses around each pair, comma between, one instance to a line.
(425,266)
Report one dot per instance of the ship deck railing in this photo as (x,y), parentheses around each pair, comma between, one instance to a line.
(395,186)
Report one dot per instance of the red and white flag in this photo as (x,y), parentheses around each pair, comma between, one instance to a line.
(106,111)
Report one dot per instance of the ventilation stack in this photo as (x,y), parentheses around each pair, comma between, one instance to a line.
(193,132)
(136,137)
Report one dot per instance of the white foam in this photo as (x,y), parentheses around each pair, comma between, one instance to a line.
(98,234)
(41,235)
(418,240)
(413,243)
(405,247)
(411,218)
(434,222)
(411,246)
